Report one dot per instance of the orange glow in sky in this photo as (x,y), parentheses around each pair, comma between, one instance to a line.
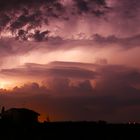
(6,85)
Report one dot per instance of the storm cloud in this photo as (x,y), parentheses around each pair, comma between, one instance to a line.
(116,93)
(125,43)
(71,59)
(31,70)
(28,15)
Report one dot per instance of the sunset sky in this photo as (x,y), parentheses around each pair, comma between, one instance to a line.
(71,59)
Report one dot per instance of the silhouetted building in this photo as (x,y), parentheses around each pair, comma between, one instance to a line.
(19,115)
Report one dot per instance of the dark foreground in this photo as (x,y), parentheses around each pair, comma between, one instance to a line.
(69,130)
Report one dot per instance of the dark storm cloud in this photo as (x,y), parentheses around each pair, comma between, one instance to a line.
(115,95)
(125,43)
(114,80)
(36,36)
(97,41)
(29,14)
(18,14)
(95,7)
(127,9)
(95,91)
(40,36)
(63,86)
(120,71)
(43,43)
(123,79)
(58,71)
(125,16)
(30,88)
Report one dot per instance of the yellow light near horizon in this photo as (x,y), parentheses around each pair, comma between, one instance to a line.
(6,85)
(2,85)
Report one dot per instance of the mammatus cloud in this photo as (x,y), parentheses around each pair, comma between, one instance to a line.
(21,17)
(27,19)
(19,14)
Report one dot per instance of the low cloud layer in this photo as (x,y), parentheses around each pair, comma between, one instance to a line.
(113,91)
(125,43)
(10,47)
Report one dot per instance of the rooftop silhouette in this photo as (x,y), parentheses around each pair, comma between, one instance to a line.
(19,115)
(22,123)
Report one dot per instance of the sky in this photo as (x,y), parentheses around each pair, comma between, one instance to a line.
(71,59)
